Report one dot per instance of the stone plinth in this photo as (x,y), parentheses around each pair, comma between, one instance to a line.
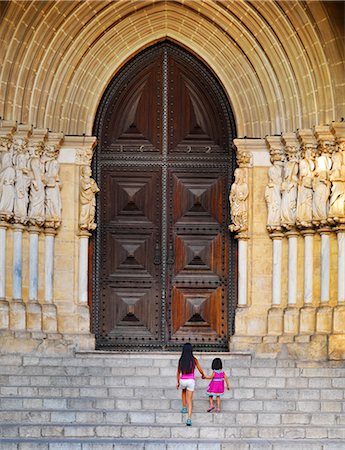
(291,320)
(275,321)
(307,320)
(17,315)
(4,315)
(336,347)
(49,318)
(33,316)
(324,319)
(339,319)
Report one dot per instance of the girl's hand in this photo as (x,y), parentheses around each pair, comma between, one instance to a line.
(177,385)
(228,387)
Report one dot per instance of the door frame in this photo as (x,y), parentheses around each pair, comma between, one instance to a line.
(113,89)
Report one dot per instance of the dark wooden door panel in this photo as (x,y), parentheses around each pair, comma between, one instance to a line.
(198,288)
(130,276)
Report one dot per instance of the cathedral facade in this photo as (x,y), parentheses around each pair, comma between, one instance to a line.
(173,171)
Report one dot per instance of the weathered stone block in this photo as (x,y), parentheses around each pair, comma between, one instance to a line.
(324,319)
(307,320)
(291,320)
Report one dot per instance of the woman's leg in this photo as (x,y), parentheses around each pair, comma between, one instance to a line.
(190,403)
(184,398)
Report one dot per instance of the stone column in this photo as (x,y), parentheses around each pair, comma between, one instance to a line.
(339,310)
(49,316)
(4,305)
(291,313)
(324,312)
(17,306)
(242,271)
(275,313)
(307,317)
(83,307)
(33,308)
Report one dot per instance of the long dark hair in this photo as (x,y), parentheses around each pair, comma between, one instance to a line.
(187,361)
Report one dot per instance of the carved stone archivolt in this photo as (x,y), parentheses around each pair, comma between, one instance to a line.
(306,182)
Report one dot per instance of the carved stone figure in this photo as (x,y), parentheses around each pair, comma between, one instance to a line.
(88,189)
(273,191)
(337,177)
(7,179)
(304,214)
(289,188)
(36,211)
(53,186)
(238,201)
(22,181)
(322,184)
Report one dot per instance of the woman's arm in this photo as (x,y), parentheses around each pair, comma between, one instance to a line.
(199,368)
(178,377)
(227,382)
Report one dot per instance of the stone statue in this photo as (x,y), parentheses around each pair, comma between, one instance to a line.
(336,212)
(322,184)
(53,186)
(238,201)
(304,214)
(88,189)
(273,191)
(7,179)
(22,181)
(289,188)
(36,211)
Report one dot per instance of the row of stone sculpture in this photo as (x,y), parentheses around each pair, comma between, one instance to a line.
(306,186)
(29,182)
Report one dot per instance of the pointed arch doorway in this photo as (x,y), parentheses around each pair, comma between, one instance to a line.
(164,262)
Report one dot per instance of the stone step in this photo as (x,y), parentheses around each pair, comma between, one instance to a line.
(161,431)
(153,416)
(167,401)
(163,404)
(172,444)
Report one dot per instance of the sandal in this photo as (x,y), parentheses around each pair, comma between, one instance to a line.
(184,410)
(210,409)
(189,422)
(218,410)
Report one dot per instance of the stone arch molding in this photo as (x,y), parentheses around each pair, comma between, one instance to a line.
(279,62)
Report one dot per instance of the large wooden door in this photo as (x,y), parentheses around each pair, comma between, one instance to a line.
(164,261)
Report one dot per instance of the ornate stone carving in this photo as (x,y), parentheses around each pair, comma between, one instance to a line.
(336,214)
(7,178)
(84,156)
(53,186)
(22,180)
(36,213)
(304,214)
(289,187)
(88,190)
(273,189)
(238,202)
(321,183)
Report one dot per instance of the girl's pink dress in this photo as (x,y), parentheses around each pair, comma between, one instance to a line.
(216,386)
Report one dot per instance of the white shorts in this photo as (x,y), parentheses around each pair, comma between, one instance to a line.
(188,384)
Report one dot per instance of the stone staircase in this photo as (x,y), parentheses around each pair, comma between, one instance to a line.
(99,400)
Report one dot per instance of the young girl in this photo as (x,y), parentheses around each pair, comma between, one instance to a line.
(186,379)
(216,387)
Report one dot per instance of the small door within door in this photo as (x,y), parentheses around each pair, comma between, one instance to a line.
(164,260)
